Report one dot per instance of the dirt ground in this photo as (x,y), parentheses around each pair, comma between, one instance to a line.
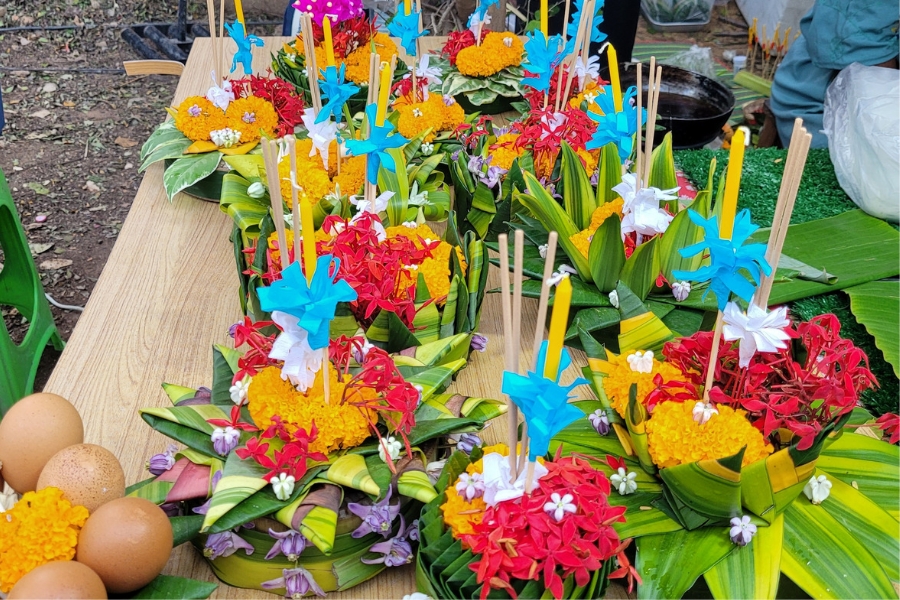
(75,123)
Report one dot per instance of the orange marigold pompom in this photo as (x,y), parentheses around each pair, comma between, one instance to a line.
(196,116)
(582,239)
(498,51)
(619,378)
(435,270)
(250,116)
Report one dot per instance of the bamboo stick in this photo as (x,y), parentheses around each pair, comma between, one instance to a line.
(653,100)
(271,163)
(519,246)
(509,351)
(211,14)
(637,135)
(221,40)
(295,206)
(562,61)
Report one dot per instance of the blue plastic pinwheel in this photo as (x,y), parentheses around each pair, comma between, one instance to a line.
(728,259)
(482,8)
(406,27)
(597,36)
(337,91)
(245,43)
(544,55)
(380,139)
(544,402)
(616,127)
(314,304)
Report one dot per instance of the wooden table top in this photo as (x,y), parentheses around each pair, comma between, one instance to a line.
(167,294)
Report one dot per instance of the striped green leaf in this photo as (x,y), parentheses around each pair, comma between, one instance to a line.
(636,420)
(351,470)
(662,166)
(670,563)
(681,233)
(640,329)
(188,170)
(164,143)
(705,493)
(751,571)
(415,484)
(867,464)
(178,392)
(641,517)
(246,212)
(641,269)
(606,254)
(610,166)
(154,491)
(249,166)
(577,192)
(187,424)
(770,485)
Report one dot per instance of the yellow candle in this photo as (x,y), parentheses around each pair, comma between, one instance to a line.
(407,7)
(614,77)
(558,322)
(239,11)
(732,185)
(329,46)
(309,237)
(383,91)
(544,15)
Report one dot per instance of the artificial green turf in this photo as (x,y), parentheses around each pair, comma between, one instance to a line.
(820,195)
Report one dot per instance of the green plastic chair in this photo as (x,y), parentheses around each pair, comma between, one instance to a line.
(20,287)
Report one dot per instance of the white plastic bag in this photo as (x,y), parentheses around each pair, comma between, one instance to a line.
(862,122)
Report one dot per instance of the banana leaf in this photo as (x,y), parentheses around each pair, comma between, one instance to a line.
(177,393)
(681,233)
(704,493)
(224,367)
(186,424)
(166,142)
(641,517)
(314,513)
(662,166)
(610,169)
(351,470)
(241,479)
(641,269)
(606,254)
(640,329)
(636,421)
(185,528)
(868,465)
(751,571)
(578,194)
(176,588)
(246,212)
(876,305)
(591,319)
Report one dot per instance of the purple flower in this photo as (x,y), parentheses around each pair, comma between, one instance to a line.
(203,508)
(249,117)
(470,486)
(160,463)
(412,532)
(455,155)
(449,100)
(466,442)
(225,440)
(297,582)
(225,544)
(394,552)
(232,331)
(492,176)
(742,530)
(476,163)
(194,111)
(599,421)
(290,543)
(172,509)
(479,342)
(595,178)
(376,518)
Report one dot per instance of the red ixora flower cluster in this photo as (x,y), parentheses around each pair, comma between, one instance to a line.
(889,423)
(519,539)
(346,36)
(294,456)
(801,392)
(457,40)
(283,96)
(257,357)
(544,130)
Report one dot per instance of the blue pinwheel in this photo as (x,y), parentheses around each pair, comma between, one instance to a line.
(313,305)
(544,402)
(728,259)
(380,139)
(544,55)
(597,36)
(616,127)
(245,43)
(337,91)
(481,10)
(406,27)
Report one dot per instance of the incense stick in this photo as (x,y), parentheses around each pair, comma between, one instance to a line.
(512,410)
(637,141)
(222,56)
(584,26)
(271,164)
(211,14)
(562,61)
(519,246)
(713,357)
(653,101)
(295,206)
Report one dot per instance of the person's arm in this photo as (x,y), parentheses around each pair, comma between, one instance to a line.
(894,63)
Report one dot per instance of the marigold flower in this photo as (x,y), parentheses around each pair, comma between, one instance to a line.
(492,56)
(675,438)
(618,381)
(435,270)
(250,116)
(582,239)
(42,527)
(505,150)
(418,117)
(196,116)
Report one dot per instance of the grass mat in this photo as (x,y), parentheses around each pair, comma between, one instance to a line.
(820,196)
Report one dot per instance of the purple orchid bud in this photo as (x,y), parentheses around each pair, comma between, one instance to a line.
(172,509)
(455,155)
(225,440)
(475,165)
(296,582)
(492,177)
(376,518)
(467,442)
(225,544)
(742,530)
(449,100)
(412,532)
(232,331)
(160,463)
(395,552)
(595,178)
(479,342)
(290,543)
(599,421)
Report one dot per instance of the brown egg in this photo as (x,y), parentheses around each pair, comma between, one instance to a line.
(60,579)
(35,428)
(88,475)
(127,542)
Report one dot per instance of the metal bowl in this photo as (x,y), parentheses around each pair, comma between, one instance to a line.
(693,107)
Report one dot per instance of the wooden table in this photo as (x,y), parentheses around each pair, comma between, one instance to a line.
(167,294)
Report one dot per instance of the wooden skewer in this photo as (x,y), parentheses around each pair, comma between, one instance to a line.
(295,206)
(270,161)
(221,40)
(648,133)
(549,263)
(519,246)
(651,125)
(640,127)
(211,14)
(562,62)
(584,26)
(512,411)
(713,357)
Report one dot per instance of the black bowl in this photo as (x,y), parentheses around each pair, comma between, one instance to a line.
(693,107)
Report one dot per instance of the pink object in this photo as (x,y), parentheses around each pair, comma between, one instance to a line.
(337,10)
(40,218)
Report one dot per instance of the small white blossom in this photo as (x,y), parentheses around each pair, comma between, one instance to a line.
(508,41)
(742,530)
(375,206)
(417,112)
(614,298)
(817,489)
(641,362)
(7,501)
(238,391)
(681,290)
(470,486)
(624,481)
(543,249)
(427,149)
(417,198)
(283,485)
(757,329)
(389,447)
(703,411)
(563,272)
(256,190)
(559,506)
(225,138)
(410,224)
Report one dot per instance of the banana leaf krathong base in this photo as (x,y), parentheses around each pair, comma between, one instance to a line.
(208,188)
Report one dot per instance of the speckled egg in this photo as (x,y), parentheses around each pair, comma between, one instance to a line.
(34,429)
(127,542)
(88,475)
(60,579)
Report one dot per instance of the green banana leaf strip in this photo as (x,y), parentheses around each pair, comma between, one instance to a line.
(641,517)
(610,166)
(681,233)
(866,464)
(577,192)
(176,588)
(184,529)
(224,368)
(591,319)
(152,490)
(641,270)
(606,254)
(705,493)
(751,571)
(636,420)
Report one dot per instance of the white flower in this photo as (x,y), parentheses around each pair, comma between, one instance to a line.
(474,21)
(417,596)
(757,329)
(301,362)
(256,190)
(283,485)
(238,391)
(417,112)
(508,41)
(590,97)
(389,447)
(424,71)
(624,481)
(321,134)
(614,298)
(641,362)
(375,206)
(470,486)
(542,249)
(7,501)
(497,475)
(225,138)
(417,198)
(563,272)
(559,506)
(228,436)
(427,149)
(553,121)
(410,224)
(592,69)
(817,489)
(641,211)
(433,470)
(742,530)
(681,290)
(703,411)
(220,96)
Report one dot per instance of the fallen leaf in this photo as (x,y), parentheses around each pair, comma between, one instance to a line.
(68,104)
(37,248)
(41,114)
(91,186)
(125,142)
(49,87)
(97,208)
(55,263)
(37,188)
